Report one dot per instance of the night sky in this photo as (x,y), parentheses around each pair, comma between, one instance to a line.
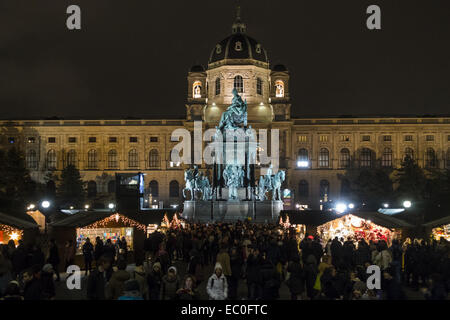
(131,57)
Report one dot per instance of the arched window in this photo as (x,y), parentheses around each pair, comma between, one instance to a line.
(279,89)
(303,189)
(259,86)
(303,159)
(92,189)
(112,159)
(324,158)
(133,158)
(51,159)
(447,161)
(324,189)
(365,158)
(72,158)
(217,86)
(112,186)
(92,159)
(31,159)
(174,189)
(386,158)
(239,84)
(409,153)
(153,186)
(344,158)
(153,159)
(430,158)
(197,90)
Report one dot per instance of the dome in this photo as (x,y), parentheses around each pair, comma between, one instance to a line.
(239,45)
(197,68)
(280,68)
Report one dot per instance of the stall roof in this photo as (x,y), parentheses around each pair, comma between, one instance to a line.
(16,222)
(317,218)
(85,218)
(439,222)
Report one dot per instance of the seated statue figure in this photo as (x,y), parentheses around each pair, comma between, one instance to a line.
(236,113)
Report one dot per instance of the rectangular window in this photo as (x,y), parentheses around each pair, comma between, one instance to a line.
(409,138)
(112,139)
(72,140)
(345,138)
(51,140)
(430,137)
(92,139)
(31,139)
(387,138)
(153,139)
(302,139)
(365,138)
(323,138)
(133,139)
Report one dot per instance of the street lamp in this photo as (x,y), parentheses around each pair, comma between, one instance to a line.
(407,204)
(31,206)
(386,205)
(111,206)
(341,207)
(86,206)
(45,204)
(351,206)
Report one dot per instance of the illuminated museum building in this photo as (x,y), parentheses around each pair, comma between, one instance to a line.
(312,150)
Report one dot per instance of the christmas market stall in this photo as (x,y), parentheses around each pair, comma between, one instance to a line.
(439,228)
(363,225)
(105,225)
(14,228)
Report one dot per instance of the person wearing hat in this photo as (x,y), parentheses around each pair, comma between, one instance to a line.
(154,280)
(170,284)
(217,286)
(131,291)
(47,283)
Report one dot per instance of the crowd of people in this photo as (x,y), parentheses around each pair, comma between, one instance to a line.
(261,256)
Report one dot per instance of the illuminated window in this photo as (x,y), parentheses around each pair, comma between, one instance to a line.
(51,159)
(303,159)
(197,89)
(386,158)
(239,84)
(259,86)
(153,159)
(71,158)
(112,159)
(92,159)
(279,89)
(133,159)
(430,158)
(345,138)
(302,139)
(344,158)
(324,158)
(365,158)
(323,138)
(31,159)
(217,86)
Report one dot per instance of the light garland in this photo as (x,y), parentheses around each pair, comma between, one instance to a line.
(11,232)
(116,218)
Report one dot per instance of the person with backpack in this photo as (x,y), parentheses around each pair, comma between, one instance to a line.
(217,286)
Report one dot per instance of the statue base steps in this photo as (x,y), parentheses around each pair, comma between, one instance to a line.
(232,211)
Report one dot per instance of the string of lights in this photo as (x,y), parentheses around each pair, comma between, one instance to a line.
(117,217)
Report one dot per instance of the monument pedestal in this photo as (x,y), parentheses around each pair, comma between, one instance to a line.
(232,211)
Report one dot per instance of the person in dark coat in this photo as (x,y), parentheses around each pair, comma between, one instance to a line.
(436,289)
(154,281)
(269,279)
(47,283)
(88,254)
(316,248)
(98,279)
(311,271)
(188,291)
(296,281)
(19,259)
(236,268)
(392,289)
(37,256)
(253,273)
(53,258)
(32,285)
(336,252)
(109,250)
(98,251)
(329,284)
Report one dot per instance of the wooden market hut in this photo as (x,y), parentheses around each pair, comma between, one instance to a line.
(102,223)
(438,228)
(314,219)
(16,227)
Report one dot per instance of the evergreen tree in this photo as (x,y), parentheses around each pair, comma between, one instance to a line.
(410,182)
(71,188)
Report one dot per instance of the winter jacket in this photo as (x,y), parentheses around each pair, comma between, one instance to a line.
(47,285)
(296,281)
(33,290)
(169,288)
(217,288)
(140,276)
(96,285)
(383,259)
(115,287)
